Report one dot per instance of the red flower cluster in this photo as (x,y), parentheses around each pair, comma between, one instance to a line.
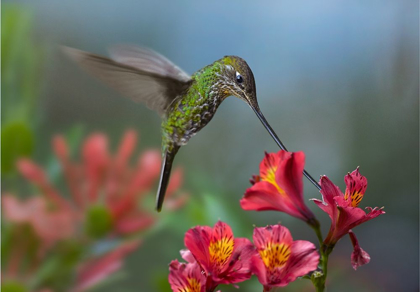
(279,187)
(215,257)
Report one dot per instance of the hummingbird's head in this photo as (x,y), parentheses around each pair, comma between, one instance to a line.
(239,80)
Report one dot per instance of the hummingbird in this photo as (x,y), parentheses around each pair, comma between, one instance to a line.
(185,103)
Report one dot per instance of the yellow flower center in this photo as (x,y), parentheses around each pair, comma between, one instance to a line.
(270,176)
(194,286)
(221,250)
(275,255)
(356,197)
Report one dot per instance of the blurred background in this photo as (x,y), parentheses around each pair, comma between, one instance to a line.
(336,79)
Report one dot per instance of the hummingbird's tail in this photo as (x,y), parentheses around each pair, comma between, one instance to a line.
(164,176)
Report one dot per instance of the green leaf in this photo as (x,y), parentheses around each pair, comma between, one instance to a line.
(17,140)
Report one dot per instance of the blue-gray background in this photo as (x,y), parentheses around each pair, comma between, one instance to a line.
(336,79)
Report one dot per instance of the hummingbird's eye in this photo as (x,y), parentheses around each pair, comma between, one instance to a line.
(239,78)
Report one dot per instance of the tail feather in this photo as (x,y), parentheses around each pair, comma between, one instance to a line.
(164,177)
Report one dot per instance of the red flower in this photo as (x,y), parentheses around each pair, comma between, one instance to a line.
(100,268)
(186,277)
(342,208)
(358,257)
(279,186)
(280,260)
(223,258)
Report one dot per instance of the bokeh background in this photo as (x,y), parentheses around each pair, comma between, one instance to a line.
(336,79)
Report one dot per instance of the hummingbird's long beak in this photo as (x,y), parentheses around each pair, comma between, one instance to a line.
(273,134)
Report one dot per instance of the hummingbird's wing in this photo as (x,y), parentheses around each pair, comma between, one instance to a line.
(141,75)
(147,60)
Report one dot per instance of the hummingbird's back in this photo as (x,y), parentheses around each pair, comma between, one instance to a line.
(191,111)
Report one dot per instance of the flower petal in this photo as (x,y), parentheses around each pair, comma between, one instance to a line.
(356,187)
(96,159)
(20,212)
(61,151)
(36,175)
(197,240)
(359,257)
(271,234)
(289,177)
(239,267)
(259,269)
(187,255)
(264,196)
(125,150)
(329,191)
(269,164)
(186,277)
(96,270)
(304,258)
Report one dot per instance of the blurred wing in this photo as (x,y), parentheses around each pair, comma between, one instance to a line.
(149,85)
(147,60)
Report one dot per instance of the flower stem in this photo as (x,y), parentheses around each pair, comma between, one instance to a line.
(317,228)
(319,278)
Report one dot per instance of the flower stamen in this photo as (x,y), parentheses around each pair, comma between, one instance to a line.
(355,197)
(275,255)
(194,285)
(221,250)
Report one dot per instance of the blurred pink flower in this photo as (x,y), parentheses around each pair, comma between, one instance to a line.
(358,257)
(342,208)
(280,260)
(100,268)
(106,196)
(103,178)
(104,184)
(49,224)
(279,186)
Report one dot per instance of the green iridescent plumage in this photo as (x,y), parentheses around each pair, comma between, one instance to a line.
(185,103)
(192,110)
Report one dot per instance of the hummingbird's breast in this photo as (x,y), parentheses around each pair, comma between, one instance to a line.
(189,114)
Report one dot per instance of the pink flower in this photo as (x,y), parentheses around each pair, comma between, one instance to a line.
(104,188)
(98,269)
(49,224)
(279,186)
(342,208)
(105,192)
(280,260)
(186,277)
(358,257)
(222,258)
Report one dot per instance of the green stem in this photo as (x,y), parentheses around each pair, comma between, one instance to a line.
(317,228)
(319,278)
